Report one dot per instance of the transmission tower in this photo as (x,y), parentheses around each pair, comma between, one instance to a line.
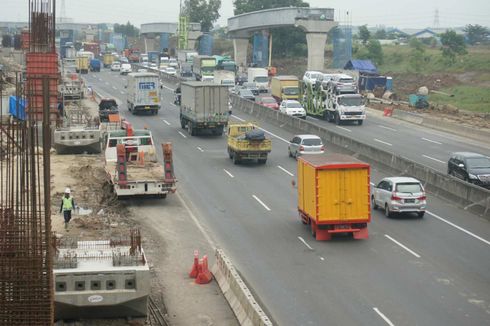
(436,18)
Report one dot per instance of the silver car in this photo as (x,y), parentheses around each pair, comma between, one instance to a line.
(305,144)
(399,195)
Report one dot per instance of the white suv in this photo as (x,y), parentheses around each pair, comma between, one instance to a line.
(310,77)
(305,144)
(342,84)
(293,108)
(399,195)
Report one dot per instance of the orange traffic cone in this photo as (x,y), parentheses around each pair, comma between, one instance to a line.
(204,276)
(195,267)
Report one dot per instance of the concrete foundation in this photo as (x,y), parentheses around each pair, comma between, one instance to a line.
(240,48)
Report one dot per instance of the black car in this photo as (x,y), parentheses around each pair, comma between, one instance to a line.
(239,80)
(471,167)
(107,106)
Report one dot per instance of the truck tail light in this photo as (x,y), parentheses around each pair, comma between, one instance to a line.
(395,197)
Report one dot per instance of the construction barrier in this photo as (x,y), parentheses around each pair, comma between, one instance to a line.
(241,300)
(455,190)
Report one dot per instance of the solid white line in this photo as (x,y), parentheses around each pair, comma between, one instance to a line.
(404,247)
(388,128)
(261,202)
(170,89)
(344,128)
(226,171)
(200,149)
(238,118)
(383,316)
(166,122)
(434,159)
(459,228)
(432,141)
(382,142)
(182,134)
(280,167)
(306,244)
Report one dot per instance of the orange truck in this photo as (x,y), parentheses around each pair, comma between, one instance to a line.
(333,195)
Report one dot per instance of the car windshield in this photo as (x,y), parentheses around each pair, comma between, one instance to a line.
(350,101)
(290,90)
(294,105)
(409,187)
(312,142)
(267,100)
(314,76)
(261,79)
(478,162)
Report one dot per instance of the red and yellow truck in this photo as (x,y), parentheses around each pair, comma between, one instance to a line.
(333,195)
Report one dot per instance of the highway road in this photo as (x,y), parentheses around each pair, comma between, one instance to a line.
(411,271)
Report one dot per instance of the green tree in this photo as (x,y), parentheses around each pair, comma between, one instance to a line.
(7,41)
(375,51)
(202,11)
(476,33)
(380,34)
(452,46)
(127,29)
(364,34)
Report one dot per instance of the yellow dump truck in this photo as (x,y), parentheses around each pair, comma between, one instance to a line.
(333,195)
(108,59)
(82,64)
(247,142)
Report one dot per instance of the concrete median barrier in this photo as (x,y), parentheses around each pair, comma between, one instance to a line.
(464,194)
(241,300)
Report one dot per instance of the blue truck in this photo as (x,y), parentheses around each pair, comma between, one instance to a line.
(95,65)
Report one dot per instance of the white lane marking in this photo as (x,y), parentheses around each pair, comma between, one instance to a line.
(344,128)
(122,92)
(238,118)
(371,183)
(434,159)
(200,149)
(182,134)
(107,83)
(382,142)
(166,122)
(306,244)
(322,258)
(403,246)
(266,131)
(114,87)
(227,172)
(261,202)
(170,89)
(383,316)
(459,228)
(431,141)
(388,128)
(280,167)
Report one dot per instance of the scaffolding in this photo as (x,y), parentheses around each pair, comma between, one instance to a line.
(342,41)
(26,278)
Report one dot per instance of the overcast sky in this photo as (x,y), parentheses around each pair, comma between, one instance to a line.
(413,13)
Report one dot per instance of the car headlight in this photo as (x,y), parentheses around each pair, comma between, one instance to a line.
(472,176)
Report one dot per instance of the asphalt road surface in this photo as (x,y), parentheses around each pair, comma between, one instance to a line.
(411,271)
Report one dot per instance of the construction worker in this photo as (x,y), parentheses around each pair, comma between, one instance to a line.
(67,204)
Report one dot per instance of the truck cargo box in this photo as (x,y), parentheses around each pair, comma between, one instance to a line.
(333,194)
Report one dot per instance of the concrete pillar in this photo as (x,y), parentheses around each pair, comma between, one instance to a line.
(316,39)
(316,50)
(164,41)
(240,47)
(192,37)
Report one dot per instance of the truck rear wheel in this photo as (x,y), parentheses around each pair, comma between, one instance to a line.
(182,123)
(236,159)
(359,122)
(190,129)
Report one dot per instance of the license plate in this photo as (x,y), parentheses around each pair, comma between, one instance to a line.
(343,226)
(409,200)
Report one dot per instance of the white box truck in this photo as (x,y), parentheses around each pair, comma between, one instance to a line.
(259,76)
(143,91)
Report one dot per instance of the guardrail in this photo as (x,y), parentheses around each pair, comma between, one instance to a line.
(241,300)
(466,195)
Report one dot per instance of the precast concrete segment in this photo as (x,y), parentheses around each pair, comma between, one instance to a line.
(240,48)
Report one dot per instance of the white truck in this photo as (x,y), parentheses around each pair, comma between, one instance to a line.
(143,90)
(132,166)
(224,77)
(345,107)
(259,76)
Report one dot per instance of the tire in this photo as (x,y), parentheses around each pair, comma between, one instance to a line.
(230,154)
(289,152)
(373,203)
(420,214)
(359,122)
(236,160)
(387,211)
(337,119)
(182,123)
(190,130)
